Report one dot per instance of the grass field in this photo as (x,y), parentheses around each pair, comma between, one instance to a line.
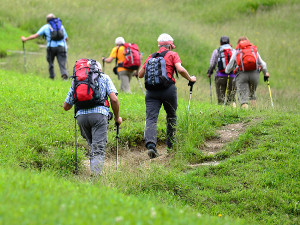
(257,178)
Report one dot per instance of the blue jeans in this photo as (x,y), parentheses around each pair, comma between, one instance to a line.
(154,100)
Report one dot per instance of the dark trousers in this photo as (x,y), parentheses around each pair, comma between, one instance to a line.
(61,54)
(221,85)
(154,100)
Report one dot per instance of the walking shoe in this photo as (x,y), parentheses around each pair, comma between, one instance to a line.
(64,77)
(152,153)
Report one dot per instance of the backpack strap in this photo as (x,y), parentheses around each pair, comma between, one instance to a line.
(162,54)
(120,64)
(117,55)
(256,60)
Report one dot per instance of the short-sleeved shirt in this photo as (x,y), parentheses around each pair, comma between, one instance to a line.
(171,59)
(106,87)
(121,57)
(45,31)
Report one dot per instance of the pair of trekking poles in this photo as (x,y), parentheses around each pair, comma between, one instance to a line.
(227,87)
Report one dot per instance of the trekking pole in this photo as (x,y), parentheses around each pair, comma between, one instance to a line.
(191,84)
(141,85)
(270,94)
(76,167)
(226,92)
(103,61)
(210,90)
(24,57)
(117,137)
(137,75)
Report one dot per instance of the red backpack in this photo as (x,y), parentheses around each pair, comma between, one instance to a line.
(86,86)
(224,55)
(246,58)
(132,57)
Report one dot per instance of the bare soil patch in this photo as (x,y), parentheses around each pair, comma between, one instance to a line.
(137,156)
(225,134)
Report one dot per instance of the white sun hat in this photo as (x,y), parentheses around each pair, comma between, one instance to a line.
(119,41)
(166,39)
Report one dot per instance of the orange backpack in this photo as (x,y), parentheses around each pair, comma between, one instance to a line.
(246,58)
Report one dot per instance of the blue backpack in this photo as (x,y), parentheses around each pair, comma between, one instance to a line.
(156,77)
(56,31)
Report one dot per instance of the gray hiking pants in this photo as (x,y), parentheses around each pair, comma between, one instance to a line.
(246,83)
(154,100)
(125,77)
(61,55)
(221,85)
(93,128)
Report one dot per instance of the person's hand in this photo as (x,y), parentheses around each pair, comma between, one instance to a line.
(118,120)
(266,77)
(23,38)
(208,75)
(135,73)
(193,79)
(103,59)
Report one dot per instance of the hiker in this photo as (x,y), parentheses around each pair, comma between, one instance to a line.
(247,71)
(56,44)
(225,83)
(161,64)
(124,74)
(93,118)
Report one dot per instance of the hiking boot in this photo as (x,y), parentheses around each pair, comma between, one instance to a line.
(64,77)
(152,153)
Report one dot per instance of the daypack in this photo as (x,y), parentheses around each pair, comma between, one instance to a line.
(224,55)
(246,58)
(56,31)
(132,57)
(86,86)
(156,77)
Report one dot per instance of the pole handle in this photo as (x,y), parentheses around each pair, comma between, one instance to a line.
(117,125)
(191,84)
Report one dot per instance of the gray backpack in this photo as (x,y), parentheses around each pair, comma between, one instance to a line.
(156,77)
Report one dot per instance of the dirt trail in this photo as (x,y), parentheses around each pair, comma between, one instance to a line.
(138,156)
(226,134)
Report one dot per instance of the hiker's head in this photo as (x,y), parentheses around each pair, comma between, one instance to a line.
(224,40)
(49,17)
(165,40)
(119,41)
(242,38)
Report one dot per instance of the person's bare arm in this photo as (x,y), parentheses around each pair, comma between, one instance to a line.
(183,72)
(67,106)
(141,73)
(115,107)
(108,60)
(33,36)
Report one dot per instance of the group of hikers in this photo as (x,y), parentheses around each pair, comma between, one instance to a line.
(237,70)
(91,87)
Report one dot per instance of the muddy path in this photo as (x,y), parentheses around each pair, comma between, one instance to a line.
(137,156)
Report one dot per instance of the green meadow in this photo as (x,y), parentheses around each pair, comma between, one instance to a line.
(256,180)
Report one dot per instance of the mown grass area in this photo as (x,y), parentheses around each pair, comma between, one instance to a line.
(258,177)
